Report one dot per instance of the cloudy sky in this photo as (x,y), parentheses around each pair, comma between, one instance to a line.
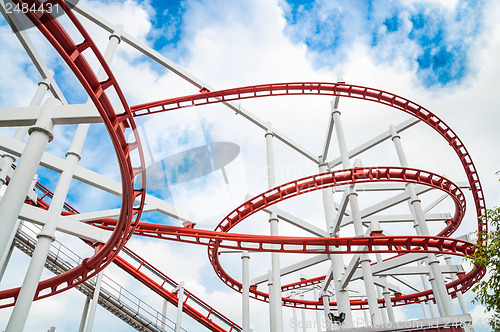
(440,54)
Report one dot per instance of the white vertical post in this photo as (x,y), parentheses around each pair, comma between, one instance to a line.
(326,309)
(424,310)
(337,261)
(20,183)
(84,314)
(432,309)
(426,285)
(11,204)
(180,303)
(386,294)
(95,301)
(445,305)
(460,297)
(439,303)
(303,315)
(294,313)
(367,318)
(270,288)
(318,316)
(275,301)
(371,295)
(245,290)
(43,86)
(164,315)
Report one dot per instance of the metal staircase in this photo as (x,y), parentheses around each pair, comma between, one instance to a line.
(112,296)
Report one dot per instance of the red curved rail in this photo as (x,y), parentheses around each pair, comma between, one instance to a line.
(351,91)
(116,124)
(220,238)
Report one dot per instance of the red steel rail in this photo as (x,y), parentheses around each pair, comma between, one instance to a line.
(116,124)
(341,89)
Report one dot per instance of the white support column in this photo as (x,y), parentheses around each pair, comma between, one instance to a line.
(424,310)
(180,303)
(383,311)
(294,315)
(95,301)
(367,318)
(275,301)
(318,316)
(371,294)
(164,315)
(84,314)
(43,86)
(460,297)
(15,194)
(425,283)
(439,303)
(303,315)
(337,261)
(12,202)
(445,304)
(245,290)
(326,309)
(386,294)
(270,288)
(432,309)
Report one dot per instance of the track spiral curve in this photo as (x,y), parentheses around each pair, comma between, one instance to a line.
(340,89)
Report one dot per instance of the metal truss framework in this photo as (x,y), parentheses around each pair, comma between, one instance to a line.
(112,234)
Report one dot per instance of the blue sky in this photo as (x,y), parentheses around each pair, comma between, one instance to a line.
(441,54)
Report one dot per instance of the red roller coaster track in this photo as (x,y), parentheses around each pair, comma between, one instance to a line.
(133,198)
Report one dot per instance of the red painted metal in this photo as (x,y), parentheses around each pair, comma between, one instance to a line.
(116,124)
(350,91)
(160,289)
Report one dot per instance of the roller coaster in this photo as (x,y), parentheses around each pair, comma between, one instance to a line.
(395,254)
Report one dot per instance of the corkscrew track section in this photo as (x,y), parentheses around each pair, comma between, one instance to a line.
(340,89)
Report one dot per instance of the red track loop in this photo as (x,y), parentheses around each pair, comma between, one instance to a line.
(116,125)
(358,92)
(372,244)
(342,90)
(219,238)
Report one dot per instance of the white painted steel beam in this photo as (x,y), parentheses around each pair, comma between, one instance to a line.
(385,204)
(392,264)
(181,72)
(375,141)
(32,52)
(329,131)
(68,224)
(298,222)
(15,147)
(62,115)
(417,270)
(409,217)
(341,210)
(293,268)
